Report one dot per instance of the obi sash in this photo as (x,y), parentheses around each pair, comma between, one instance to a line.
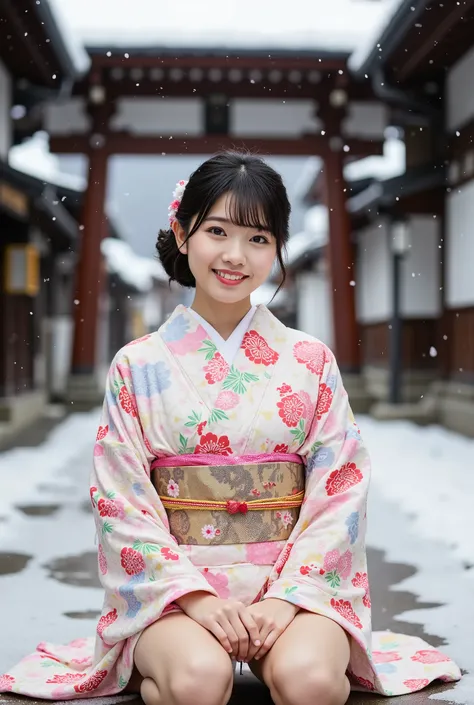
(230,504)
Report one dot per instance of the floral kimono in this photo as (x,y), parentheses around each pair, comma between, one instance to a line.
(247,480)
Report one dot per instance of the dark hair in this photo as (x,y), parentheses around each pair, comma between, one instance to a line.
(258,194)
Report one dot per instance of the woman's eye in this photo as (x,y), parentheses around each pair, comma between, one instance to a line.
(260,239)
(216,231)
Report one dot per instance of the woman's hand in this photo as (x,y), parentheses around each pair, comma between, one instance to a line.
(272,617)
(230,621)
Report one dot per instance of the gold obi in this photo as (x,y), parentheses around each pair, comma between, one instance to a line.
(231,504)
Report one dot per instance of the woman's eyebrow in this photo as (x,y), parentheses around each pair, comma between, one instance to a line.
(218,218)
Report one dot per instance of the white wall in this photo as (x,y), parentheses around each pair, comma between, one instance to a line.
(373,275)
(5,107)
(460,246)
(272,117)
(66,117)
(460,92)
(314,305)
(158,116)
(366,120)
(420,272)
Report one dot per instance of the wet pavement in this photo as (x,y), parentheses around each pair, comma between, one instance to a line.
(50,588)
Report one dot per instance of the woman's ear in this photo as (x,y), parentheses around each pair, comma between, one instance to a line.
(180,237)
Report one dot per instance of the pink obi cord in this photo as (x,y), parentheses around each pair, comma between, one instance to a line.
(190,460)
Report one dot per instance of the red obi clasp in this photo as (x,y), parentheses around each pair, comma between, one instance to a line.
(234,507)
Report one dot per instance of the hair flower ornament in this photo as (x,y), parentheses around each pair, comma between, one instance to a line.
(177,196)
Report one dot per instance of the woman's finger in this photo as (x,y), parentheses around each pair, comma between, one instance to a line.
(229,630)
(242,635)
(268,643)
(251,626)
(265,631)
(221,636)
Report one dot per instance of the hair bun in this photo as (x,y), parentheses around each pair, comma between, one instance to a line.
(174,262)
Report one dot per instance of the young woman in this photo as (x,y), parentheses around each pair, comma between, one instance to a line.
(229,490)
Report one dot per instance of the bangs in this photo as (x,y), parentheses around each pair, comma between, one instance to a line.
(249,209)
(253,203)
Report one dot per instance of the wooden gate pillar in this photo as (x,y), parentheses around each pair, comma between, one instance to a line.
(346,336)
(89,271)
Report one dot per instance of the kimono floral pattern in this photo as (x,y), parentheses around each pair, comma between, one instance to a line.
(171,395)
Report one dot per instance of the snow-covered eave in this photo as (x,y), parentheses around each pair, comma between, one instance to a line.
(212,45)
(381,42)
(73,58)
(134,270)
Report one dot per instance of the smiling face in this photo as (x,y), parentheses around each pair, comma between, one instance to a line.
(228,261)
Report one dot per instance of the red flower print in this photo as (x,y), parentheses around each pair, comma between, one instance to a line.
(211,444)
(169,555)
(102,560)
(109,508)
(429,656)
(256,493)
(200,427)
(305,569)
(102,432)
(91,683)
(311,354)
(343,479)
(344,608)
(291,410)
(92,491)
(386,656)
(257,349)
(217,369)
(284,389)
(132,561)
(282,558)
(105,620)
(66,678)
(416,683)
(281,448)
(361,580)
(361,681)
(324,401)
(6,683)
(127,402)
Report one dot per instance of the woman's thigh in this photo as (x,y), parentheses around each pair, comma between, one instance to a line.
(308,662)
(183,659)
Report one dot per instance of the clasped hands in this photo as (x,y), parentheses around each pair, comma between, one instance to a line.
(246,633)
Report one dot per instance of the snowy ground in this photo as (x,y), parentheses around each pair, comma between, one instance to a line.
(420,516)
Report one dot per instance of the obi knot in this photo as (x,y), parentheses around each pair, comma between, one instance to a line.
(234,507)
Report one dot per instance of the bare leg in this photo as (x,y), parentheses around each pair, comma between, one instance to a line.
(180,663)
(307,664)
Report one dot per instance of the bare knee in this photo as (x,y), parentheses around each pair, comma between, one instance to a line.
(307,685)
(202,681)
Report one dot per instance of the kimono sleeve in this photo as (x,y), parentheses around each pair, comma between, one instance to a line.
(325,570)
(141,567)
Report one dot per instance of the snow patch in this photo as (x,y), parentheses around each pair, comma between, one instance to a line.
(139,272)
(34,158)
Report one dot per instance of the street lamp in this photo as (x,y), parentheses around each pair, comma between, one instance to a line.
(400,244)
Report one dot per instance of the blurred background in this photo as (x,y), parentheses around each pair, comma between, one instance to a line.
(366,107)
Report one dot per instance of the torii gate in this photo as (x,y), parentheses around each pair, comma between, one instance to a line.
(132,101)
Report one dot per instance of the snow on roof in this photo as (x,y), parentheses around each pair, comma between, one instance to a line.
(313,237)
(74,47)
(139,272)
(365,48)
(312,24)
(34,158)
(392,163)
